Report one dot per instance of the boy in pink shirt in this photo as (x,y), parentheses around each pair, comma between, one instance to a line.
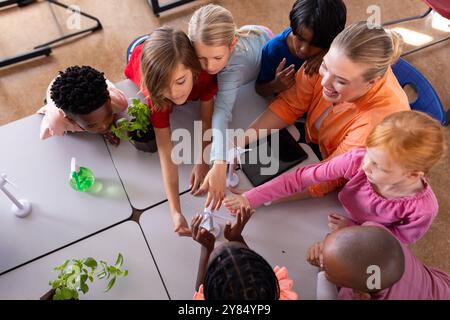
(384,268)
(386,182)
(81,99)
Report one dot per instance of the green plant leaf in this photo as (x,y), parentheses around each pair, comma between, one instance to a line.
(73,281)
(84,288)
(76,268)
(56,283)
(123,273)
(58,295)
(110,284)
(63,266)
(121,128)
(90,262)
(140,113)
(83,279)
(122,122)
(112,270)
(66,293)
(119,261)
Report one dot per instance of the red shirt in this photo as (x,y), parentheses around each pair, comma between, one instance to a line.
(205,88)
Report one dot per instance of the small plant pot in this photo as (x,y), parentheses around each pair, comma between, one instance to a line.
(48,295)
(146,142)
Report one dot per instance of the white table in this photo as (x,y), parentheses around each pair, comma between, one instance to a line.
(141,172)
(143,281)
(281,233)
(60,215)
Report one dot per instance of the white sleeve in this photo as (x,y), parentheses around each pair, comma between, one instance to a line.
(325,289)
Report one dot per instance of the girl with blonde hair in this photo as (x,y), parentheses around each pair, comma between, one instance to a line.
(234,55)
(386,180)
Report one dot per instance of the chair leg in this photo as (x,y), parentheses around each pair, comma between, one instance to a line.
(426,13)
(425,46)
(44,51)
(20,3)
(98,26)
(157,8)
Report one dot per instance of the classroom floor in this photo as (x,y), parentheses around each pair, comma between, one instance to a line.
(22,86)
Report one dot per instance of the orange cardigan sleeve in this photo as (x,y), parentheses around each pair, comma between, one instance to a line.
(292,103)
(355,137)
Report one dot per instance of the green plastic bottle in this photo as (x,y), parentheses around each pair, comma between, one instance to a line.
(81,178)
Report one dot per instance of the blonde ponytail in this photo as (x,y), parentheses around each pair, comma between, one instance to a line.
(373,46)
(397,44)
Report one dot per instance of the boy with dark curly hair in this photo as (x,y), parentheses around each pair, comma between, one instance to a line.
(81,99)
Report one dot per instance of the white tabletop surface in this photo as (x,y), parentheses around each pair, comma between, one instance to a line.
(60,215)
(141,172)
(281,233)
(142,282)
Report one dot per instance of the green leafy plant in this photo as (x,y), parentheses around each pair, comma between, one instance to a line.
(74,275)
(139,123)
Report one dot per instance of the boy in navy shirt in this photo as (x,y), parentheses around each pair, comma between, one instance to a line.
(314,25)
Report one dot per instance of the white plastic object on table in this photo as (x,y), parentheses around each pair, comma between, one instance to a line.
(20,207)
(232,177)
(73,167)
(209,224)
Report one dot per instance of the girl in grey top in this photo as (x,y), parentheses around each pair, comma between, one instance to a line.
(235,56)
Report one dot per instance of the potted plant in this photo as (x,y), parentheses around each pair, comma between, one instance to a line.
(138,129)
(74,275)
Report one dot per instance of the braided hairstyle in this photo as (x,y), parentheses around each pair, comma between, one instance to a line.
(79,90)
(239,273)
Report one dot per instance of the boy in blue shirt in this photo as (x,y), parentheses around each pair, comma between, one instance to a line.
(314,25)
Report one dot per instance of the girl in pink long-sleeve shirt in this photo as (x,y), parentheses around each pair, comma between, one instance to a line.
(386,180)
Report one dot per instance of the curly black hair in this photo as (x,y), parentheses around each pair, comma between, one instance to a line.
(79,90)
(240,274)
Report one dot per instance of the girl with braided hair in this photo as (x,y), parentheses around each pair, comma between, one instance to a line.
(233,271)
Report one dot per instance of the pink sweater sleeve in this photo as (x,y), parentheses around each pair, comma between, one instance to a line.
(342,166)
(419,216)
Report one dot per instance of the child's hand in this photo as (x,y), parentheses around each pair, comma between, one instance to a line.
(233,232)
(198,175)
(237,190)
(112,138)
(216,184)
(201,235)
(314,255)
(312,65)
(235,203)
(284,78)
(180,225)
(337,221)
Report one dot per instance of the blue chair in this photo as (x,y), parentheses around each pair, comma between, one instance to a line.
(427,99)
(134,44)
